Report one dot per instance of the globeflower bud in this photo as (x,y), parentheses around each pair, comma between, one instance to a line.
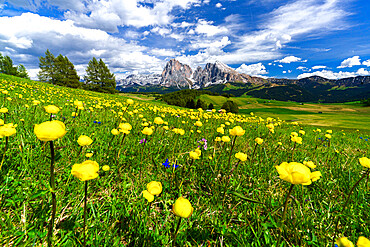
(182,208)
(237,131)
(154,188)
(84,140)
(148,196)
(147,131)
(87,170)
(258,140)
(52,109)
(365,162)
(50,130)
(241,156)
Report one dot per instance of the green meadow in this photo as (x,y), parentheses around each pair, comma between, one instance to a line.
(129,170)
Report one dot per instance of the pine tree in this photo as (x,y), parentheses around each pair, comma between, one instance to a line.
(107,78)
(46,64)
(99,78)
(7,67)
(22,72)
(65,73)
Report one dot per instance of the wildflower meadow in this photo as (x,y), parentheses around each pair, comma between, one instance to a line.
(80,168)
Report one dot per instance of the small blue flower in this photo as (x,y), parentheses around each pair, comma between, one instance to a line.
(319,138)
(175,165)
(99,122)
(366,139)
(95,122)
(361,137)
(166,164)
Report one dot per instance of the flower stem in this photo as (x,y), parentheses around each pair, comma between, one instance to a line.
(284,213)
(345,204)
(228,171)
(176,231)
(254,150)
(53,196)
(85,202)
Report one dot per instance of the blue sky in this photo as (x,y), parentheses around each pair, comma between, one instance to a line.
(270,38)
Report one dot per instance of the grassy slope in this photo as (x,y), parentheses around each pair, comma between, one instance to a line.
(345,115)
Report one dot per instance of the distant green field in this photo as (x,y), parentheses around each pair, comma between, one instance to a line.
(349,115)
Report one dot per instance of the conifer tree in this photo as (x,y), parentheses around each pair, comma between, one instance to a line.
(7,67)
(47,68)
(22,71)
(99,78)
(65,73)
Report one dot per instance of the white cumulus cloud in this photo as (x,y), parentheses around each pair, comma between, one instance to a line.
(206,27)
(252,69)
(319,67)
(336,75)
(367,63)
(349,62)
(289,59)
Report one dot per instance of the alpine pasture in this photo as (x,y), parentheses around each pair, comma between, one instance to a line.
(82,168)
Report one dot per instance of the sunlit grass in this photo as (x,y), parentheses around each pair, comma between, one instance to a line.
(235,203)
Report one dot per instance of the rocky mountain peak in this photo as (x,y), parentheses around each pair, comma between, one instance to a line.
(176,74)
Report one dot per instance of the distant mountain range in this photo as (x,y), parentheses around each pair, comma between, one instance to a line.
(220,78)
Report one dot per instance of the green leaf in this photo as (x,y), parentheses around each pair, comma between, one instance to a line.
(38,193)
(245,198)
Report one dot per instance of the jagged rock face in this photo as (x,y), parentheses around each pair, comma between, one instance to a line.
(217,73)
(176,74)
(139,80)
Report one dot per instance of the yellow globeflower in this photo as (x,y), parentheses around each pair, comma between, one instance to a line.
(88,155)
(87,170)
(125,128)
(241,156)
(302,132)
(52,109)
(220,130)
(363,242)
(182,208)
(310,164)
(258,140)
(148,196)
(78,103)
(2,122)
(296,173)
(293,134)
(198,124)
(158,120)
(344,242)
(328,136)
(296,139)
(218,139)
(114,132)
(84,140)
(154,188)
(237,131)
(50,130)
(316,175)
(105,168)
(329,131)
(225,139)
(147,131)
(130,101)
(364,161)
(194,155)
(7,130)
(3,110)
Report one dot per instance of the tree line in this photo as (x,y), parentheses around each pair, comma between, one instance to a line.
(7,67)
(60,71)
(187,98)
